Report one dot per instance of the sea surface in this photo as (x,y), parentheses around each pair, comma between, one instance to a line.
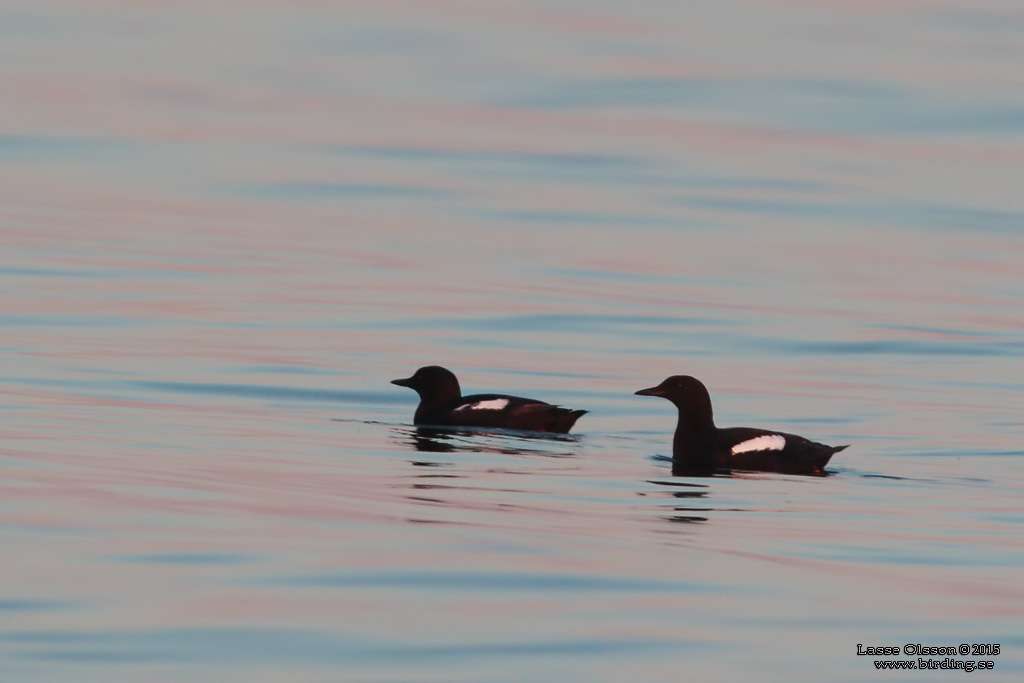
(225,226)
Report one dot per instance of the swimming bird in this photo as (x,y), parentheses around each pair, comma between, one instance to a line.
(442,403)
(699,447)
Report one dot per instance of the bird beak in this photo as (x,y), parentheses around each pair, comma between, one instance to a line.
(407,382)
(653,391)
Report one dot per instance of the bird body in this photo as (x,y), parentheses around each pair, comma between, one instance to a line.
(442,404)
(699,447)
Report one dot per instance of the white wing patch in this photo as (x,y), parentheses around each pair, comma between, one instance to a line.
(765,442)
(493,404)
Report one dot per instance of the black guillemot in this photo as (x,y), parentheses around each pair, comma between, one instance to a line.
(699,447)
(442,404)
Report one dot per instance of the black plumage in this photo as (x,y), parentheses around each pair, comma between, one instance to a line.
(699,447)
(442,404)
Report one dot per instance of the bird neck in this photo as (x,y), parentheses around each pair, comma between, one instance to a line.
(432,403)
(694,443)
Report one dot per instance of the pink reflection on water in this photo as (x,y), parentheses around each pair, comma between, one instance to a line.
(183,270)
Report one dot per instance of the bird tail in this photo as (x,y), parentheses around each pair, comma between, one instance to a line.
(565,418)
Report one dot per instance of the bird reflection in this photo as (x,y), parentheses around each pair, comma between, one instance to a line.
(685,519)
(680,469)
(430,440)
(685,491)
(451,440)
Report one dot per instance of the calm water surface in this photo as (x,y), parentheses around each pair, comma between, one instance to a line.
(226,226)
